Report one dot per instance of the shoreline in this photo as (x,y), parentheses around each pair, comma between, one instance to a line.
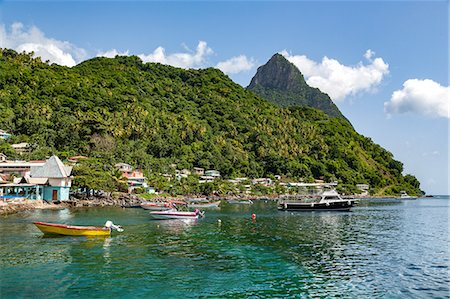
(126,200)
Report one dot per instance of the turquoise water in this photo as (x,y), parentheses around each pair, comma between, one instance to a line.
(381,249)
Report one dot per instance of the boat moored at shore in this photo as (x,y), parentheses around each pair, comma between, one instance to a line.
(404,195)
(175,214)
(328,201)
(203,203)
(75,230)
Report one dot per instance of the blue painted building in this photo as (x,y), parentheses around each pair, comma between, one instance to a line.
(54,178)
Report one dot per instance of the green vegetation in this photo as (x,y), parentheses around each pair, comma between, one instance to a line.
(152,115)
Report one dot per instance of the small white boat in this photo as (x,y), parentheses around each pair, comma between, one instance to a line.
(175,214)
(156,206)
(328,201)
(240,202)
(404,195)
(203,204)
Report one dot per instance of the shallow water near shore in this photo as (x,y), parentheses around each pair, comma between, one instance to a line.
(383,248)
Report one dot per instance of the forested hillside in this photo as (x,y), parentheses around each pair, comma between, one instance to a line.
(151,115)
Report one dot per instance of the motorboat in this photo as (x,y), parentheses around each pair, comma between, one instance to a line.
(404,195)
(156,206)
(75,230)
(175,214)
(329,200)
(241,202)
(162,206)
(203,203)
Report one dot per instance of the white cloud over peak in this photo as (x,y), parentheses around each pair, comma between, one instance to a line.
(236,64)
(112,53)
(339,80)
(34,40)
(189,59)
(424,97)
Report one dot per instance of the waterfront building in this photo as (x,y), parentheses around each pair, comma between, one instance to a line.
(3,157)
(20,168)
(54,177)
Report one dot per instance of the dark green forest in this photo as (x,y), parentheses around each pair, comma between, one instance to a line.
(151,115)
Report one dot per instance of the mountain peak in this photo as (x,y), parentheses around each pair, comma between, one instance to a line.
(281,82)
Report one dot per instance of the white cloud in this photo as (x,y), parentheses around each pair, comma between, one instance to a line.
(112,53)
(338,80)
(236,64)
(188,59)
(424,97)
(433,153)
(30,39)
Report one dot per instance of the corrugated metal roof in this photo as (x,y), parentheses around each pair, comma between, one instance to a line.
(53,168)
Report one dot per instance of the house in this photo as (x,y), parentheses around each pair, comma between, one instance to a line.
(206,179)
(21,147)
(137,180)
(199,171)
(4,135)
(126,168)
(263,181)
(54,177)
(3,157)
(21,168)
(184,173)
(213,173)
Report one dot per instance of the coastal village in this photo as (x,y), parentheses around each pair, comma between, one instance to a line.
(50,181)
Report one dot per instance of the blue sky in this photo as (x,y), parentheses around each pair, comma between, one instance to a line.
(385,64)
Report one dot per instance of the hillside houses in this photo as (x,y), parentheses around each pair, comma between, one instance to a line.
(135,178)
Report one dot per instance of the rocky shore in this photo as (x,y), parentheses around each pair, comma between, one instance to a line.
(19,205)
(118,199)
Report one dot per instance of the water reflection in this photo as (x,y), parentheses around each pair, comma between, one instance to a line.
(382,249)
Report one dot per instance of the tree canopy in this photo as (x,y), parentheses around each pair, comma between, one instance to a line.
(151,115)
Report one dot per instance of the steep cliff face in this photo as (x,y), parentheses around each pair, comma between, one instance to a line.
(280,82)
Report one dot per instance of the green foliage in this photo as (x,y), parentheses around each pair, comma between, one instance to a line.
(152,115)
(92,174)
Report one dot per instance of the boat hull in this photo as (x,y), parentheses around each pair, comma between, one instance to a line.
(71,230)
(335,206)
(204,205)
(155,208)
(164,215)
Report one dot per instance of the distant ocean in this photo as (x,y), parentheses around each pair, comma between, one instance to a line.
(383,248)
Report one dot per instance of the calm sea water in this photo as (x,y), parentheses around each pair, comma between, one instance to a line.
(381,249)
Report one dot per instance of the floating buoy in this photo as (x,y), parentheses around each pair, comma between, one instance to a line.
(253,216)
(219,222)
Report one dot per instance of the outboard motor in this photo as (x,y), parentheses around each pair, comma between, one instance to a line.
(109,224)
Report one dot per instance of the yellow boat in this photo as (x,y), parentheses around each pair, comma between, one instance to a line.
(73,230)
